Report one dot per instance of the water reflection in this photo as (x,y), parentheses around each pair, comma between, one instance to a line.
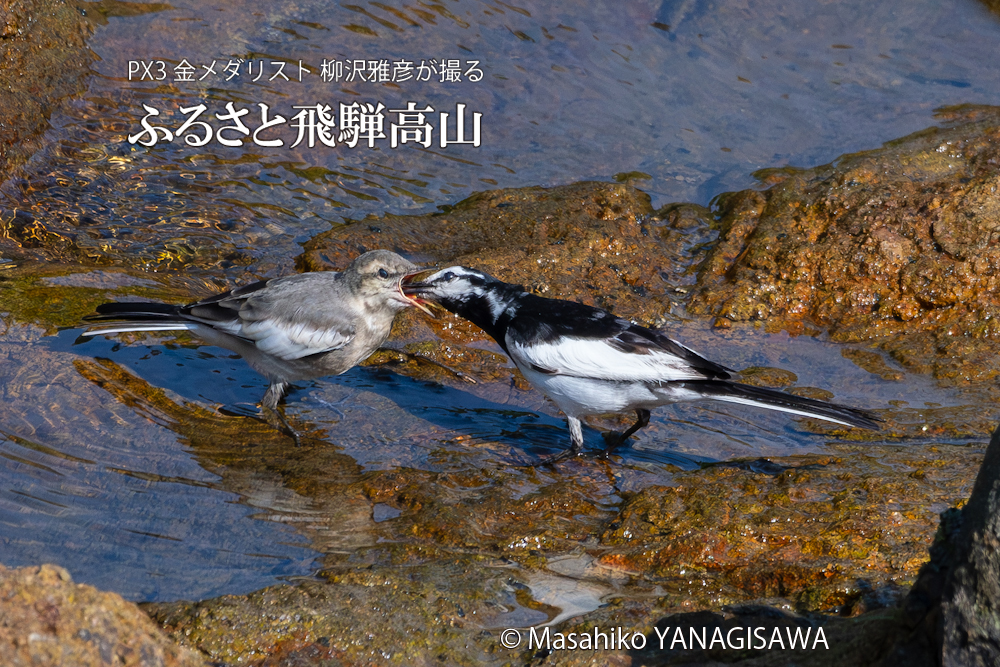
(100,487)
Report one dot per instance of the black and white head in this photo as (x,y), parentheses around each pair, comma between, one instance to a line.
(474,295)
(375,277)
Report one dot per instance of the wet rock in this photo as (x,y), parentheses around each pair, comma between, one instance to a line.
(873,363)
(34,293)
(897,246)
(760,376)
(45,60)
(360,616)
(52,295)
(826,533)
(948,617)
(595,241)
(971,604)
(952,611)
(46,619)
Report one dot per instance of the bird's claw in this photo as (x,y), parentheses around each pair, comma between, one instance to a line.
(561,456)
(276,418)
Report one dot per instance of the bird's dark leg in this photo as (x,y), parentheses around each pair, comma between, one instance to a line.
(273,414)
(576,443)
(643,418)
(275,392)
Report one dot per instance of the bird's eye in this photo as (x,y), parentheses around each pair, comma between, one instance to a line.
(382,273)
(449,276)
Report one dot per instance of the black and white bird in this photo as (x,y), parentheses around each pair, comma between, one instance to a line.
(293,328)
(590,362)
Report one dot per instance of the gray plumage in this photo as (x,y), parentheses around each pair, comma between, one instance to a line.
(294,328)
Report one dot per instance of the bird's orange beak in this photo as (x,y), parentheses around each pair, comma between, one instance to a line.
(408,287)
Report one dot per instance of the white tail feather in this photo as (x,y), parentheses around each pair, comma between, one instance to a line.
(771,406)
(126,327)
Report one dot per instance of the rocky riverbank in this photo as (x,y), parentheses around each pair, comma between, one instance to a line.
(844,534)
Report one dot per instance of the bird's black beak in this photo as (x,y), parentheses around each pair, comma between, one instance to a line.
(411,286)
(414,282)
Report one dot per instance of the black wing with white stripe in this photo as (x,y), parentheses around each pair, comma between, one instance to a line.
(569,338)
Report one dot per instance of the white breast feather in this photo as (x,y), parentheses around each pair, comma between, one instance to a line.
(595,358)
(292,341)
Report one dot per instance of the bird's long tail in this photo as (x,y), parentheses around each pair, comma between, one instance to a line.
(772,399)
(136,316)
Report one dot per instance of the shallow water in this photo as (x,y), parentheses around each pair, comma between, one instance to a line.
(134,466)
(568,92)
(151,494)
(118,499)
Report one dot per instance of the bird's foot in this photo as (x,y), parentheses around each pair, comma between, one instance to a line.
(613,442)
(561,456)
(276,418)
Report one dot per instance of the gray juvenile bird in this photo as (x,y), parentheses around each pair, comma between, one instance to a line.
(294,328)
(590,362)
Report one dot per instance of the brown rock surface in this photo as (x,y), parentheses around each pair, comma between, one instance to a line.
(826,532)
(46,619)
(898,246)
(44,60)
(366,616)
(590,240)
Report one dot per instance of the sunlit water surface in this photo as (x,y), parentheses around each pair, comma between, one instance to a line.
(694,95)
